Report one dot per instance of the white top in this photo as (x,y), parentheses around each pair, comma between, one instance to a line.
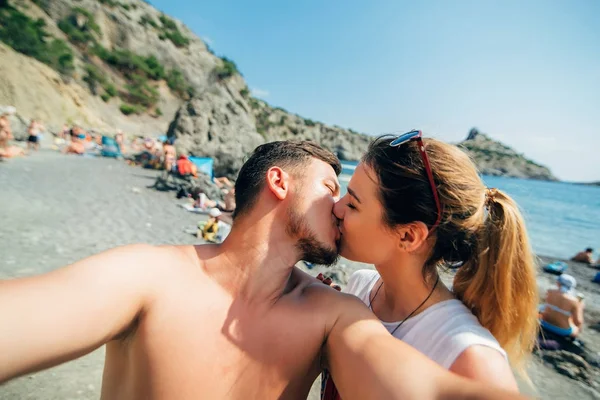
(441,332)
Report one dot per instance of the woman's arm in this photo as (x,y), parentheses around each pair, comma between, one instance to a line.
(578,315)
(485,365)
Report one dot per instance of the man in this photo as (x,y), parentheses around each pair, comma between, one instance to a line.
(34,130)
(584,256)
(228,321)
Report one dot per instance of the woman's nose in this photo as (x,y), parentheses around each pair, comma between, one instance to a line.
(338,208)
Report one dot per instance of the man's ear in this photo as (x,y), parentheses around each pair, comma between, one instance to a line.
(278,182)
(411,236)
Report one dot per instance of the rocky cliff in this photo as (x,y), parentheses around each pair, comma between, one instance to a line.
(224,125)
(496,159)
(122,64)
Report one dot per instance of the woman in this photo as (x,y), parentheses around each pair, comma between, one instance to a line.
(414,206)
(562,313)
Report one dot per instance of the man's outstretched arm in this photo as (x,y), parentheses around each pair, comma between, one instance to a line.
(366,362)
(61,315)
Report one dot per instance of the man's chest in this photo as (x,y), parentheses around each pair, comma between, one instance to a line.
(227,346)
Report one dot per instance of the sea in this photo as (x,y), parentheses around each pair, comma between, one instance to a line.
(561,218)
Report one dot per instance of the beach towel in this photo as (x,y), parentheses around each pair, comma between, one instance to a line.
(190,207)
(204,165)
(557,267)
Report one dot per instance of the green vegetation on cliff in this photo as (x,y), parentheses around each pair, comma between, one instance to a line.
(29,37)
(140,73)
(80,27)
(227,69)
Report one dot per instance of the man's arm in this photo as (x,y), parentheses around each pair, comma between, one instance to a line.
(48,319)
(366,362)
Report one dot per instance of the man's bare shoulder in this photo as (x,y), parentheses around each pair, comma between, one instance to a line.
(151,261)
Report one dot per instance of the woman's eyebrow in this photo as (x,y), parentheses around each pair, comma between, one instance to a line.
(353,194)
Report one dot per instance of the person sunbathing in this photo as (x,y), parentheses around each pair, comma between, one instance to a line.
(6,150)
(77,146)
(562,311)
(584,256)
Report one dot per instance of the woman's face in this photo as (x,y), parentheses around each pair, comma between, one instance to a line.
(364,237)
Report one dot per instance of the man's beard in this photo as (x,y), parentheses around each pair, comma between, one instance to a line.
(311,250)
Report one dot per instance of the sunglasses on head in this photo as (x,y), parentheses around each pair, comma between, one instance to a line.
(416,135)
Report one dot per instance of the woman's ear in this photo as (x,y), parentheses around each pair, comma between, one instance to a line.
(411,236)
(278,182)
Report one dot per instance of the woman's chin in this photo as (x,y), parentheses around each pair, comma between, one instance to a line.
(346,253)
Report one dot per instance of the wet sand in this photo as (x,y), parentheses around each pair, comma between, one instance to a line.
(57,209)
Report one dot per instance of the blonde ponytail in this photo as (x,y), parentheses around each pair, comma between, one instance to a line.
(499,282)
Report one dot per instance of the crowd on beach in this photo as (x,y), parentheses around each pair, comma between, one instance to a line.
(413,206)
(145,151)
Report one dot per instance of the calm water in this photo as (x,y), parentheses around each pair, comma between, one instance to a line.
(561,218)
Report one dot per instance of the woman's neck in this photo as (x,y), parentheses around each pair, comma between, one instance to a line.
(402,289)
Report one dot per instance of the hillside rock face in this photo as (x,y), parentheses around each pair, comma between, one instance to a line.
(221,125)
(496,159)
(213,125)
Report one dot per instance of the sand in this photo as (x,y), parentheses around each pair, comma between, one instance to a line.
(56,209)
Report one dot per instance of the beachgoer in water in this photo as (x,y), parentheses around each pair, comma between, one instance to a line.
(585,256)
(562,311)
(235,320)
(391,218)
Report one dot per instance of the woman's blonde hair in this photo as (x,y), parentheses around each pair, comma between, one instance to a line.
(481,229)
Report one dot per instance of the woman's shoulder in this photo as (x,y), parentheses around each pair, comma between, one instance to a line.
(456,329)
(454,317)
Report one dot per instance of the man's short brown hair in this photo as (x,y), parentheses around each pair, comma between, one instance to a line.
(285,154)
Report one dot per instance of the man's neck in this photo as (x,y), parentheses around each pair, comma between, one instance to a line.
(256,260)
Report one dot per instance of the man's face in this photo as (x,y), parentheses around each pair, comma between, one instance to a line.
(314,189)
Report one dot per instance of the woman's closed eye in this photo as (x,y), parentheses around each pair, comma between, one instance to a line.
(350,206)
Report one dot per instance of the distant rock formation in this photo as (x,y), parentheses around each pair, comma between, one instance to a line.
(496,159)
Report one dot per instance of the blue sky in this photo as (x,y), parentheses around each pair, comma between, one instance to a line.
(525,72)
